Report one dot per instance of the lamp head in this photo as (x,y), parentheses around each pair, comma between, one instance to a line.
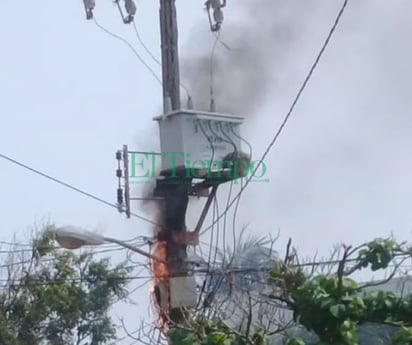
(72,237)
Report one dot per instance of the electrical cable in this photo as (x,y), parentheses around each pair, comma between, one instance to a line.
(131,47)
(212,58)
(221,278)
(291,109)
(217,35)
(144,240)
(48,259)
(15,244)
(155,59)
(67,185)
(217,271)
(225,217)
(242,139)
(234,223)
(209,279)
(211,238)
(274,140)
(216,206)
(228,138)
(219,137)
(224,44)
(211,145)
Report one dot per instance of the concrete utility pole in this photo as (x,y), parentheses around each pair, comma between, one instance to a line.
(175,195)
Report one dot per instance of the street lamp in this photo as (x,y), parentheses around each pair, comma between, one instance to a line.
(182,288)
(73,237)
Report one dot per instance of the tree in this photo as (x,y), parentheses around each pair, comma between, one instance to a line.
(328,304)
(56,297)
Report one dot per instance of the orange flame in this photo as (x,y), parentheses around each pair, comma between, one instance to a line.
(160,290)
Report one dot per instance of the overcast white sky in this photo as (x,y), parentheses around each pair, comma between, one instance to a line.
(70,96)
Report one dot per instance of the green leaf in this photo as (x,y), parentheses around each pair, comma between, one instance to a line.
(337,309)
(217,338)
(295,341)
(179,336)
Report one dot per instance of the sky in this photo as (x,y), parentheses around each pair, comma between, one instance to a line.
(71,95)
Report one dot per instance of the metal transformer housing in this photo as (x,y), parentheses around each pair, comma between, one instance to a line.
(190,139)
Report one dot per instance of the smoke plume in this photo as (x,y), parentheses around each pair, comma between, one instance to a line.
(257,38)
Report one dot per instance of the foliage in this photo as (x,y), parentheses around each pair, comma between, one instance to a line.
(403,337)
(332,305)
(214,332)
(62,299)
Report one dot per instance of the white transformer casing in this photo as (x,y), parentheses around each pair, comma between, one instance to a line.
(183,141)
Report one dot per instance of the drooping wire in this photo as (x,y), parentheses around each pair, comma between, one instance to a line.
(213,286)
(142,240)
(290,111)
(131,48)
(21,251)
(219,271)
(212,67)
(241,186)
(54,259)
(204,289)
(216,206)
(219,137)
(139,38)
(234,223)
(228,138)
(217,35)
(108,248)
(212,233)
(225,217)
(211,145)
(69,186)
(224,44)
(154,58)
(7,243)
(249,145)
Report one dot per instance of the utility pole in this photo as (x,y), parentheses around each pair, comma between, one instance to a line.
(170,54)
(176,194)
(174,288)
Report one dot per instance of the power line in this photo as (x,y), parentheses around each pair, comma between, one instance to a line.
(143,239)
(55,259)
(212,65)
(289,112)
(139,38)
(131,47)
(216,271)
(67,185)
(154,58)
(15,244)
(107,248)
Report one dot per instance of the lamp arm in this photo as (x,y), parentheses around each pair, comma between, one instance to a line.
(132,248)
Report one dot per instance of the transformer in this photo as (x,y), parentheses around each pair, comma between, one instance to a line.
(195,142)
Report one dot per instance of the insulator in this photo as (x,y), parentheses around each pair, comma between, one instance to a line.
(130,7)
(89,7)
(119,155)
(119,173)
(89,4)
(120,196)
